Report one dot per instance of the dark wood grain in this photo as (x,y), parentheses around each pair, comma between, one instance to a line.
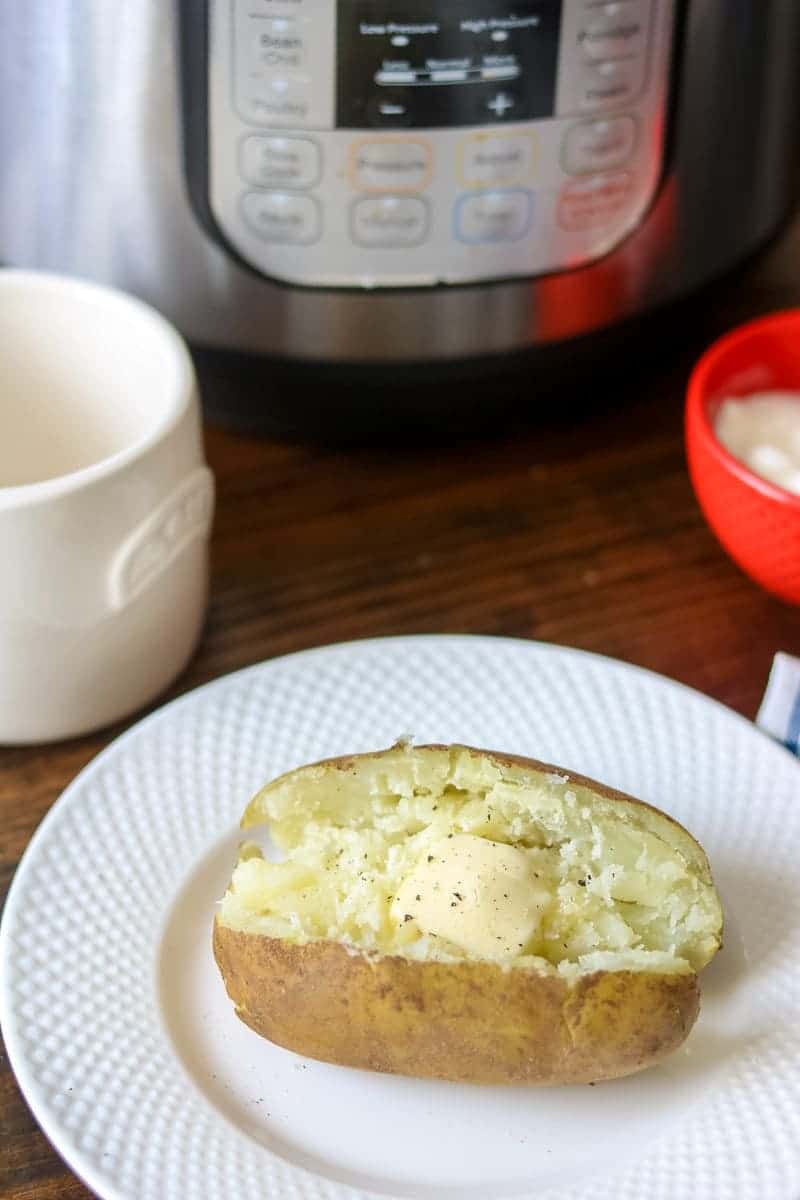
(583,532)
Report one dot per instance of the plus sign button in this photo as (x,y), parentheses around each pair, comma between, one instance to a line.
(501,105)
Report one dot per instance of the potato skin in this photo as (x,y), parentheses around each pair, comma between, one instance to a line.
(463,1021)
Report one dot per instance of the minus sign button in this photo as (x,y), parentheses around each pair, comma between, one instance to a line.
(387,78)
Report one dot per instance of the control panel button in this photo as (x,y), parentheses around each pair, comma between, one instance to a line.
(611,84)
(613,31)
(275,99)
(390,110)
(277,42)
(494,216)
(496,158)
(390,165)
(504,104)
(590,203)
(280,161)
(389,221)
(283,63)
(283,217)
(599,145)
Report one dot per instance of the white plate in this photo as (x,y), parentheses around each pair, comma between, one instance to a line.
(129,1053)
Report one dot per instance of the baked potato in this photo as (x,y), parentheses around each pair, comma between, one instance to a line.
(460,914)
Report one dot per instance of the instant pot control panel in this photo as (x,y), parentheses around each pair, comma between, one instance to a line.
(386,143)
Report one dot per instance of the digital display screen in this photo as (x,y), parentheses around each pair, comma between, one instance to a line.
(445,63)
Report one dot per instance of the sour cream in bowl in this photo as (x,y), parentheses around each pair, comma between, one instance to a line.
(743,448)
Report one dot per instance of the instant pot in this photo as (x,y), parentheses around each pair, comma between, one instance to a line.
(396,182)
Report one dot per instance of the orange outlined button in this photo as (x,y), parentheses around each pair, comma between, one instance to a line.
(390,165)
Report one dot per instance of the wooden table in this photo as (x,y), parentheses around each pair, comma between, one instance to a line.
(584,533)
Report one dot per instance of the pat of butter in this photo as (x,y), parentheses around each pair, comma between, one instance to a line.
(482,896)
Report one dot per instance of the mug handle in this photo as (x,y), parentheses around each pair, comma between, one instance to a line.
(147,552)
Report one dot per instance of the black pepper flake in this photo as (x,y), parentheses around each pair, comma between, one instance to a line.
(449,835)
(419,897)
(431,858)
(581,883)
(407,917)
(505,895)
(452,903)
(458,895)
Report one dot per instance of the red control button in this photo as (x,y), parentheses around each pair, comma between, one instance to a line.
(589,203)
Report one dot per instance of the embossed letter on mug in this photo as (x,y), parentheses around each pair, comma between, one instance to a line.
(105,506)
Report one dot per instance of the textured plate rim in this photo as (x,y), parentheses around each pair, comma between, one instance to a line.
(48,1120)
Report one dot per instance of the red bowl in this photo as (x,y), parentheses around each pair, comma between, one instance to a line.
(757,522)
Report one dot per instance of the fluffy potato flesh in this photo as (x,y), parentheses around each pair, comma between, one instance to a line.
(446,854)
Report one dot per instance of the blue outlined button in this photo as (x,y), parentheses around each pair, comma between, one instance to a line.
(497,216)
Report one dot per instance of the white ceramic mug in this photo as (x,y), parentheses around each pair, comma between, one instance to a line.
(105,506)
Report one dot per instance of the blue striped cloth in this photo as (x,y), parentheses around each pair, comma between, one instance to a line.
(779,715)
